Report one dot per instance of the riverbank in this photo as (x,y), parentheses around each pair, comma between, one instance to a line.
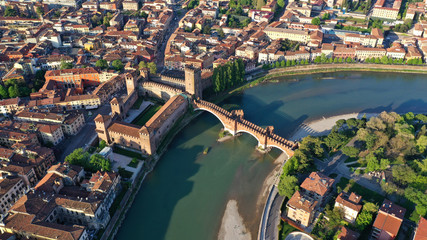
(324,125)
(232,225)
(343,67)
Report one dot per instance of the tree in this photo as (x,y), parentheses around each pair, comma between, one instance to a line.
(350,151)
(280,3)
(288,185)
(117,65)
(102,144)
(10,12)
(39,79)
(221,33)
(98,162)
(363,220)
(78,157)
(3,92)
(206,29)
(66,65)
(153,67)
(13,91)
(315,21)
(101,63)
(40,11)
(403,174)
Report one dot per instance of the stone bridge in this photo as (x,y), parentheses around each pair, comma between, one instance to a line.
(234,123)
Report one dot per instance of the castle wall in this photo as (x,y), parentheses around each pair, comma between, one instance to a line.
(158,90)
(171,81)
(128,102)
(167,125)
(125,140)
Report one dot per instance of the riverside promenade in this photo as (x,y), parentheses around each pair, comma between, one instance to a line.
(342,67)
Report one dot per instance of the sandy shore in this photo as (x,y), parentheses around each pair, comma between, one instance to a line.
(323,126)
(232,226)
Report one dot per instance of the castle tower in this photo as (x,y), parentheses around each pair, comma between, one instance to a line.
(193,81)
(102,122)
(130,82)
(116,107)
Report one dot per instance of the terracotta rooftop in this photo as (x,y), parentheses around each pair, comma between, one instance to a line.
(389,218)
(421,232)
(351,201)
(318,183)
(300,201)
(125,128)
(160,117)
(347,234)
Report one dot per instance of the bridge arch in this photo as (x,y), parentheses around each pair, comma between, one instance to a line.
(244,131)
(219,118)
(281,149)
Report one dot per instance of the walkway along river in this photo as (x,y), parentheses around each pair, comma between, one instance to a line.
(186,195)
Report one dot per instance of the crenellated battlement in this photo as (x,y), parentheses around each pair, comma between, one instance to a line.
(234,122)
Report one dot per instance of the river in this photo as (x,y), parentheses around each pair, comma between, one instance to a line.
(185,196)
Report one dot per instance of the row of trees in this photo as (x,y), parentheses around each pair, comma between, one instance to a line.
(230,74)
(150,65)
(324,59)
(116,64)
(89,163)
(14,88)
(390,60)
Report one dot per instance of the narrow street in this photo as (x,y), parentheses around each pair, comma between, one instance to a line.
(84,136)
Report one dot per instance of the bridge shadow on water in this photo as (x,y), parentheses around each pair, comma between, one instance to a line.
(271,114)
(413,105)
(152,211)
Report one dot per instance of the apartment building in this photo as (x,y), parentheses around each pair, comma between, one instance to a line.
(11,189)
(8,106)
(350,204)
(301,208)
(11,137)
(363,53)
(71,122)
(282,33)
(60,209)
(76,78)
(51,133)
(347,234)
(388,221)
(421,230)
(317,186)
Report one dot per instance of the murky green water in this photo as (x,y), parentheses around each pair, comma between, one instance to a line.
(185,197)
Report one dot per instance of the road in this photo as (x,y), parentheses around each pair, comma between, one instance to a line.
(271,232)
(160,56)
(84,136)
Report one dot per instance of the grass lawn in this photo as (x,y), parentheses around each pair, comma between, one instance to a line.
(146,115)
(134,163)
(138,103)
(367,195)
(286,229)
(127,153)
